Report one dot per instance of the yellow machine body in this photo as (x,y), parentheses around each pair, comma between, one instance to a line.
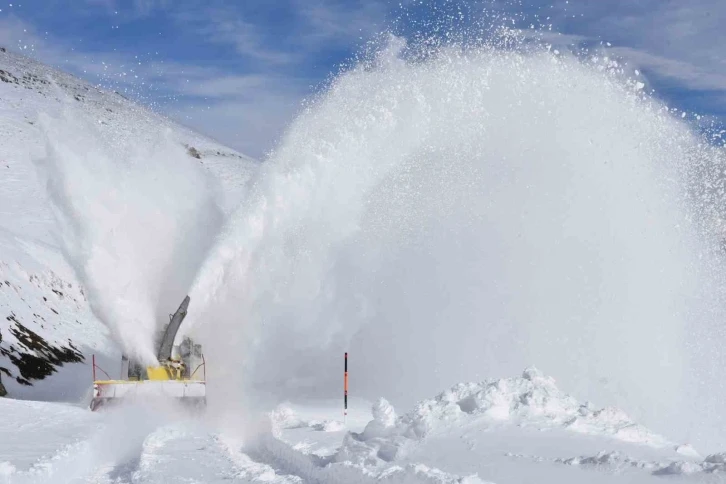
(180,373)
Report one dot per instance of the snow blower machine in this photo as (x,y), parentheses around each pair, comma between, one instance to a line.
(180,374)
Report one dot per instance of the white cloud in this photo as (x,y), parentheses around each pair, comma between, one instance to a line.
(329,20)
(251,125)
(227,86)
(693,75)
(138,8)
(244,111)
(145,7)
(223,25)
(680,41)
(17,35)
(311,26)
(245,104)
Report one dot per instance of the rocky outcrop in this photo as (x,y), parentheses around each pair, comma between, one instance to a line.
(3,392)
(33,356)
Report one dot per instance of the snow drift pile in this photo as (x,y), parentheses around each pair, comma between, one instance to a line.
(531,400)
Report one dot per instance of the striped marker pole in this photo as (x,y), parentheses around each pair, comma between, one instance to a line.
(345,391)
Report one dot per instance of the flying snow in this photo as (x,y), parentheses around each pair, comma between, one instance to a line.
(135,223)
(463,214)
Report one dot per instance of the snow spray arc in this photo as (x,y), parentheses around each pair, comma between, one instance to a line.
(468,213)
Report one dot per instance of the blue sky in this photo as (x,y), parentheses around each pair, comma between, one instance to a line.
(237,70)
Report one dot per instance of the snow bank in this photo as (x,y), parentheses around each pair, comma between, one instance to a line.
(612,458)
(330,469)
(530,400)
(284,417)
(712,464)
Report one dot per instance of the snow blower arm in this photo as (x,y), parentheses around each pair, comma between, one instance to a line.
(167,341)
(169,378)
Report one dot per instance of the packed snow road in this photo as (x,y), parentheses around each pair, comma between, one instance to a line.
(63,443)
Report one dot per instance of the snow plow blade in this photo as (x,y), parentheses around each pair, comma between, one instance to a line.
(180,375)
(191,394)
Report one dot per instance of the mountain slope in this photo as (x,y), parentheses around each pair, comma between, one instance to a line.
(47,328)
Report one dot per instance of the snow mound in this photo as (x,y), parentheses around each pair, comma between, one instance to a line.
(612,458)
(712,464)
(530,400)
(328,426)
(284,417)
(419,473)
(617,461)
(283,463)
(687,450)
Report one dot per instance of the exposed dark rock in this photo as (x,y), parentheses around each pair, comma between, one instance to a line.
(5,76)
(34,357)
(194,153)
(3,392)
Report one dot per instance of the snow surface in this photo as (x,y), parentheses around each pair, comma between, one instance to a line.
(521,429)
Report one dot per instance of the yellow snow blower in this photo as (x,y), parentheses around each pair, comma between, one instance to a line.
(180,374)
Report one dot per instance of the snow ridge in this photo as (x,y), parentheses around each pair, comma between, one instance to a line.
(530,400)
(712,464)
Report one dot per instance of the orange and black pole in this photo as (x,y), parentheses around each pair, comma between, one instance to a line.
(345,390)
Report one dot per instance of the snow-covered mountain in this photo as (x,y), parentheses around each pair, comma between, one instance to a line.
(47,329)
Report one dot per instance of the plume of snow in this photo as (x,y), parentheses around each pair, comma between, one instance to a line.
(135,223)
(465,213)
